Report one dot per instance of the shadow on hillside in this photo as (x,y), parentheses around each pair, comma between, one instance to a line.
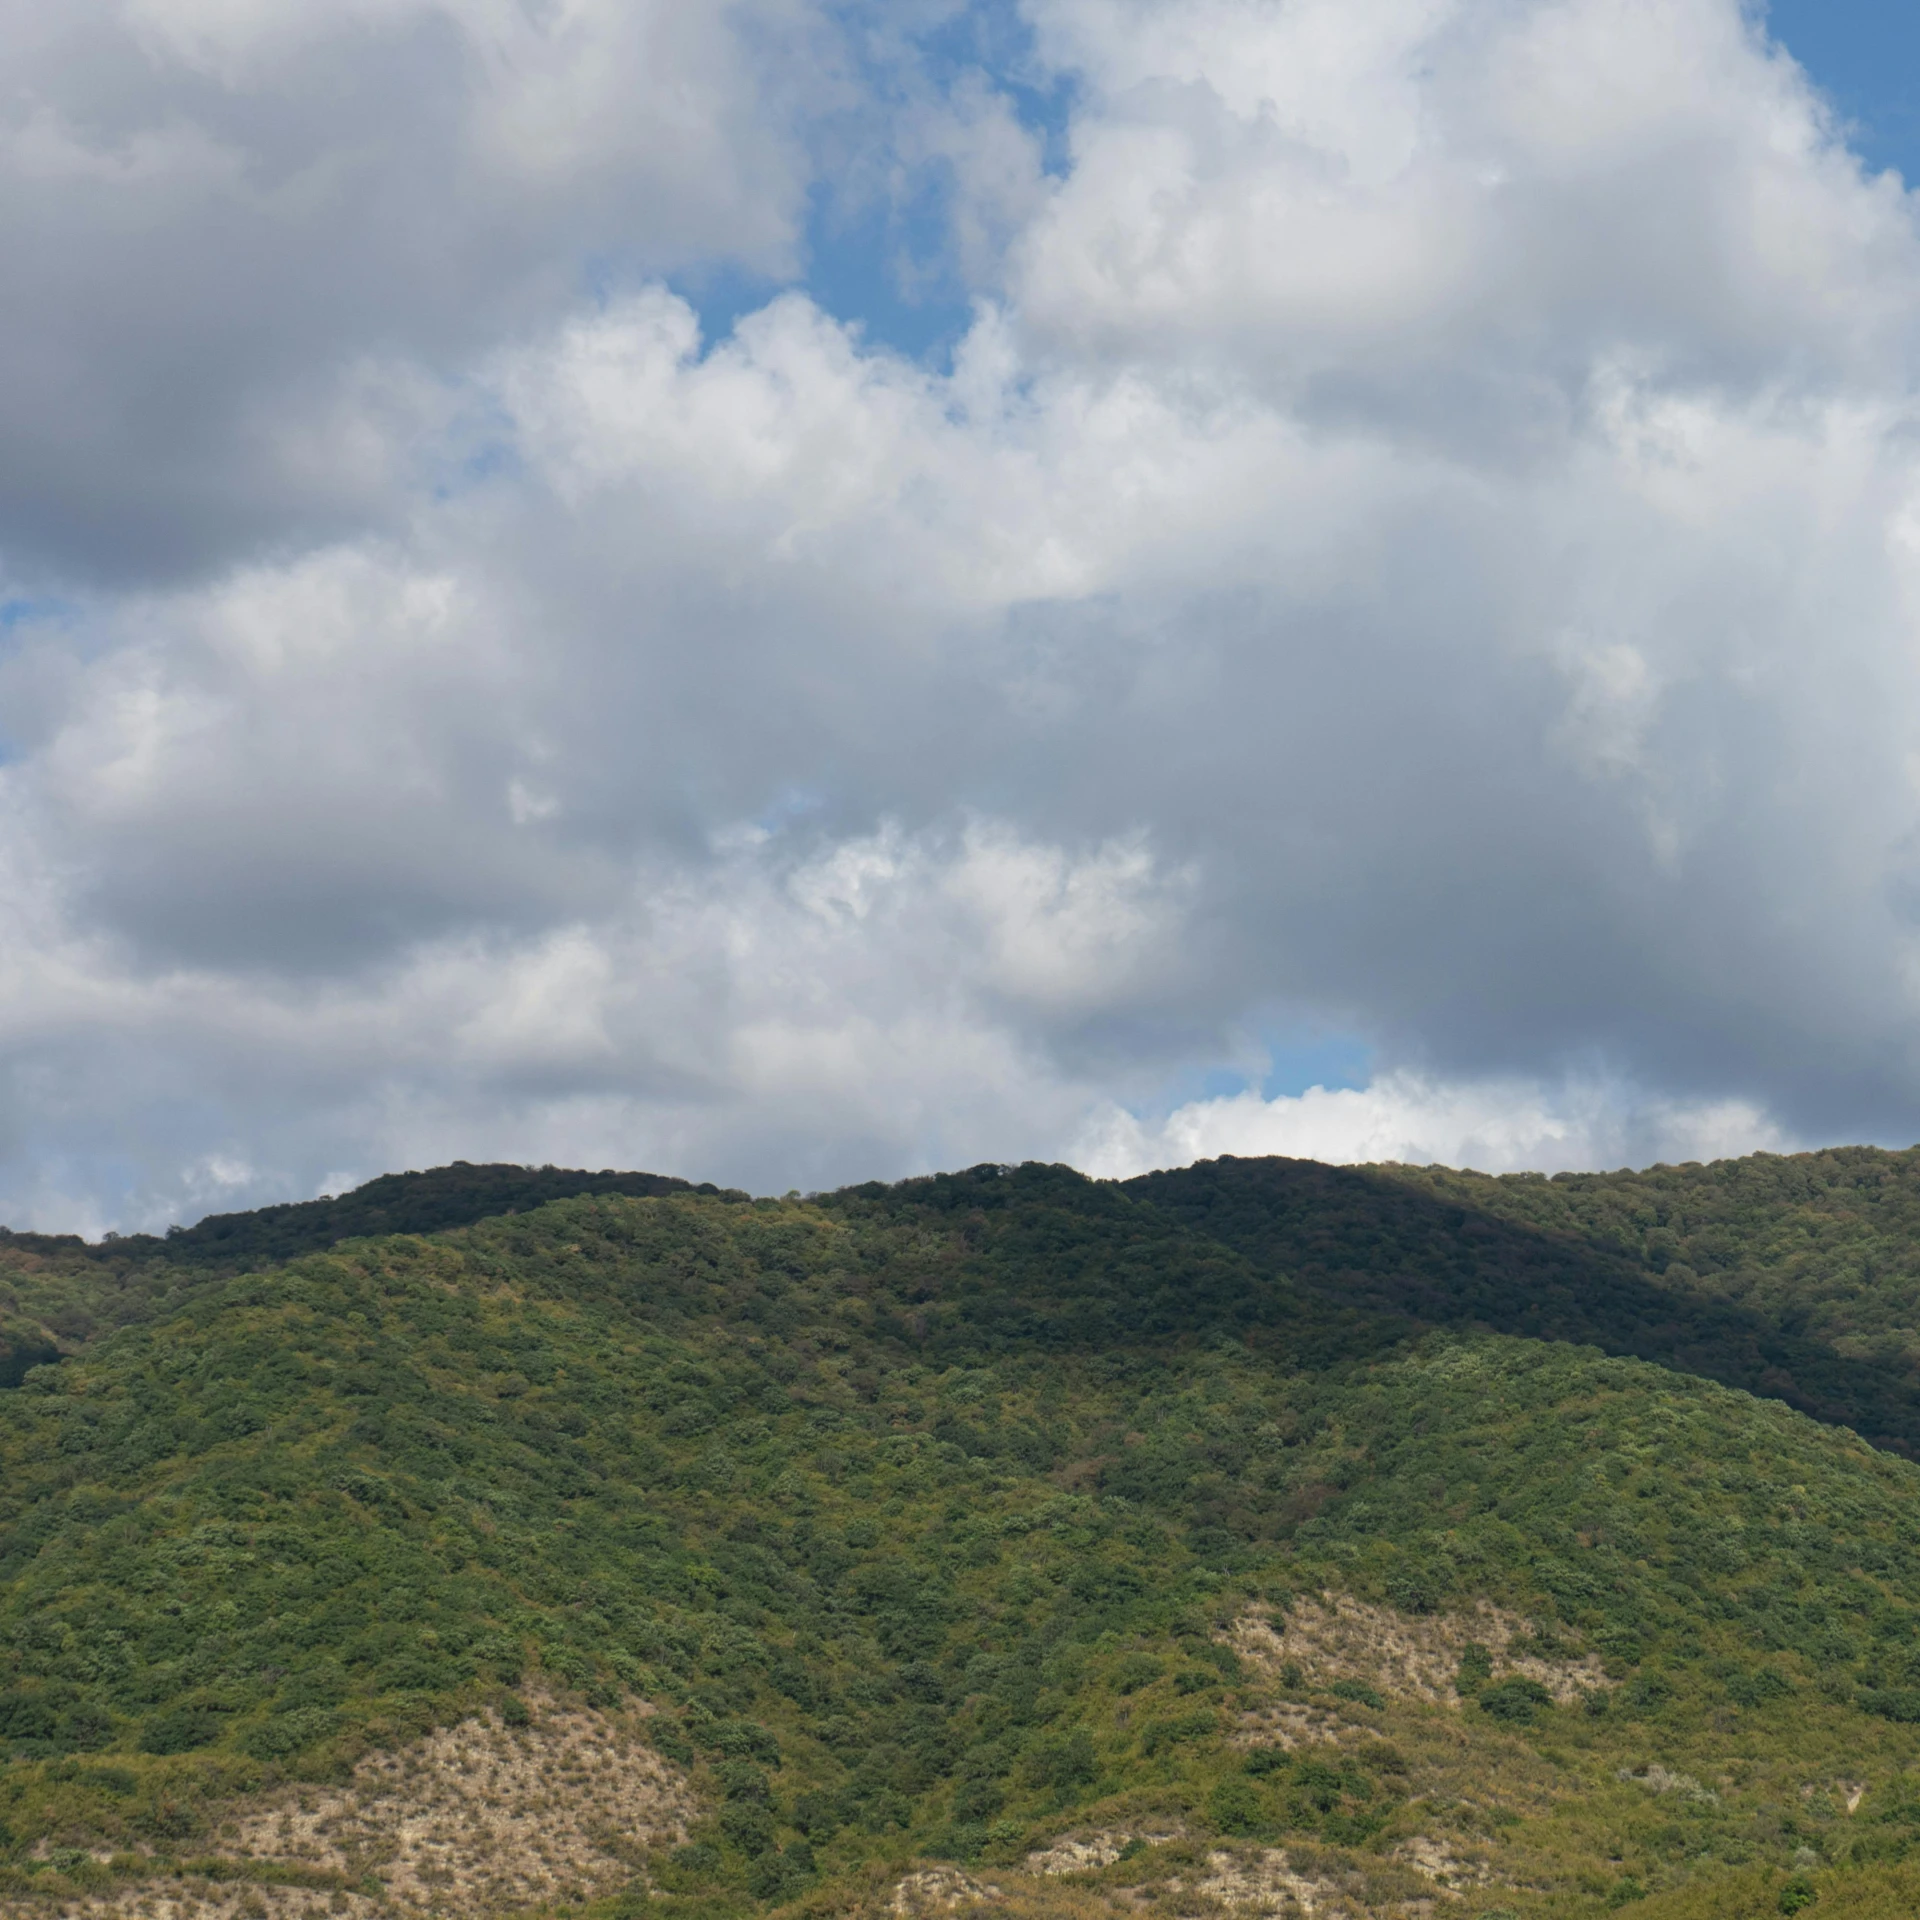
(432,1202)
(1359,1237)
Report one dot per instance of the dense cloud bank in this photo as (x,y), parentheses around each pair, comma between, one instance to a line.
(1419,541)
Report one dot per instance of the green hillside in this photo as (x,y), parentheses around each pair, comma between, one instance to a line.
(953,1532)
(1796,1278)
(57,1290)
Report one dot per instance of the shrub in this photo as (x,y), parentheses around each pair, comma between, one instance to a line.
(746,1739)
(1238,1807)
(1476,1669)
(287,1733)
(25,1716)
(1161,1734)
(1060,1761)
(748,1824)
(1645,1693)
(180,1730)
(1892,1703)
(1516,1699)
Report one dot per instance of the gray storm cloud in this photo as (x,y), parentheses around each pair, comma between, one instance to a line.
(1419,541)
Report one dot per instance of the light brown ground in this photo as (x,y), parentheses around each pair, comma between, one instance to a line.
(1088,1852)
(940,1890)
(477,1819)
(1414,1656)
(1443,1864)
(1279,1881)
(1658,1779)
(191,1899)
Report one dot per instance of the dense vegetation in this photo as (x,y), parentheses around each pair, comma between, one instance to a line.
(56,1290)
(1797,1278)
(924,1513)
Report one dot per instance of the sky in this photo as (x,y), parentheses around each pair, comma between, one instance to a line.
(809,590)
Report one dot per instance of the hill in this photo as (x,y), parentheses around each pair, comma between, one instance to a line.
(1793,1277)
(56,1289)
(1006,1540)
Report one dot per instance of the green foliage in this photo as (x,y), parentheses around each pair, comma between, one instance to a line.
(1795,1277)
(917,1513)
(1357,1690)
(1517,1699)
(1476,1668)
(1238,1808)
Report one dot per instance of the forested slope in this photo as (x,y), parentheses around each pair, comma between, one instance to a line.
(1795,1278)
(57,1290)
(940,1530)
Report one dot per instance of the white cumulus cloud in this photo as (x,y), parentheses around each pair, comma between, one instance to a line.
(1415,538)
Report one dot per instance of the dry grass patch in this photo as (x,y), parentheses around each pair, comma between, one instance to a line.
(1306,1880)
(1443,1864)
(941,1890)
(193,1898)
(1414,1656)
(481,1818)
(1089,1852)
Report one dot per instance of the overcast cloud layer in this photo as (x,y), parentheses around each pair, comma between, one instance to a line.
(1415,553)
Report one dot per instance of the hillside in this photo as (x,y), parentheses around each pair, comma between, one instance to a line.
(56,1290)
(1004,1540)
(1793,1277)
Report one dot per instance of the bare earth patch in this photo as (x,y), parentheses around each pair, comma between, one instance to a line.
(1267,1881)
(1290,1725)
(1307,1881)
(1412,1655)
(1447,1869)
(1657,1779)
(477,1819)
(940,1890)
(1089,1852)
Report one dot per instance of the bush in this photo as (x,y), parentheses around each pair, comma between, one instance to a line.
(1516,1699)
(747,1740)
(1417,1588)
(976,1800)
(1476,1669)
(287,1733)
(1892,1703)
(1161,1734)
(1239,1808)
(180,1730)
(1645,1693)
(1060,1761)
(1754,1687)
(748,1824)
(25,1716)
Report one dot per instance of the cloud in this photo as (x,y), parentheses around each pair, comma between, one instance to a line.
(250,243)
(1418,540)
(1502,1126)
